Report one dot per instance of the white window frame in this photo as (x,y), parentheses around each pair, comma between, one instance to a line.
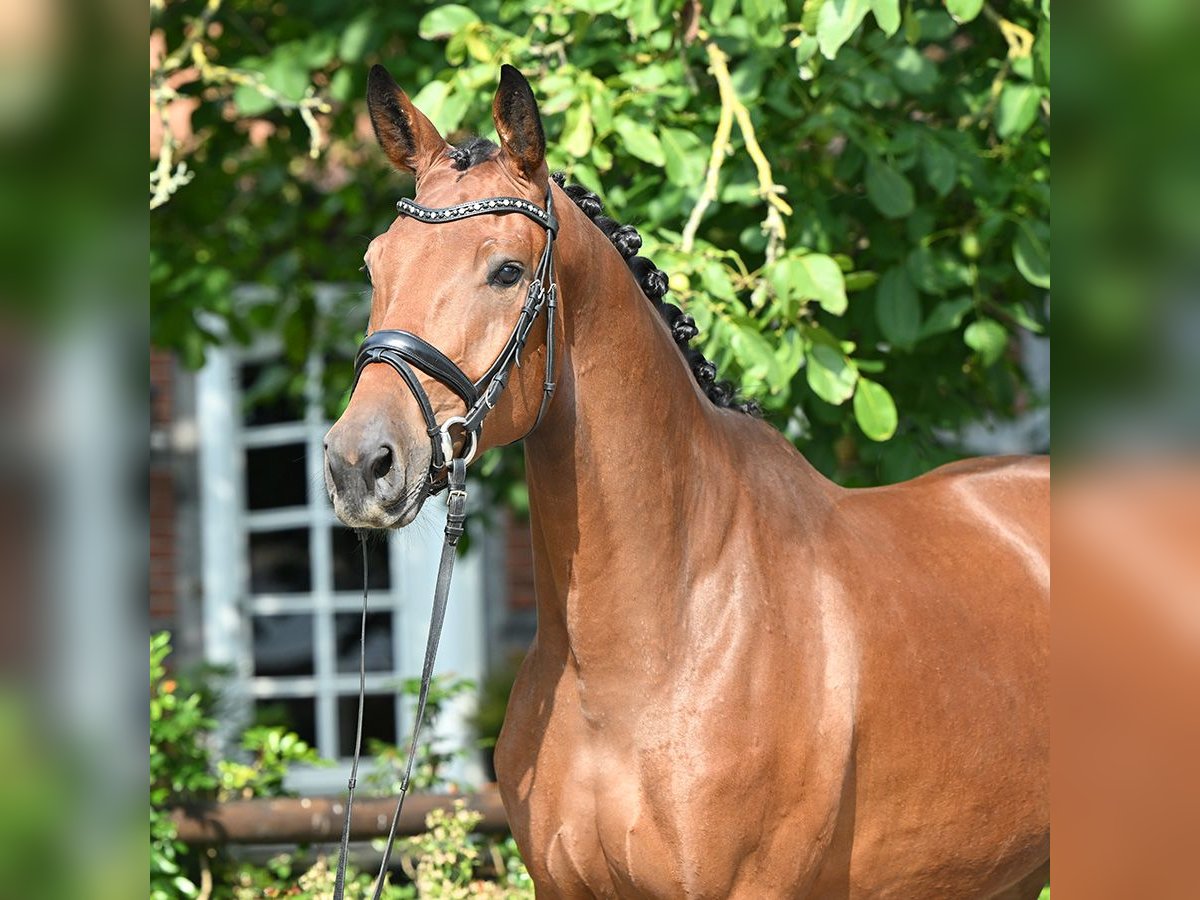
(228,604)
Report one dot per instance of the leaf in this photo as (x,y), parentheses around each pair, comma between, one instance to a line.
(640,140)
(986,337)
(354,39)
(818,277)
(913,71)
(940,165)
(755,354)
(888,190)
(946,316)
(251,102)
(1022,317)
(577,131)
(445,21)
(443,104)
(684,155)
(875,410)
(721,11)
(1017,109)
(887,15)
(837,21)
(643,16)
(1031,252)
(964,10)
(830,374)
(898,308)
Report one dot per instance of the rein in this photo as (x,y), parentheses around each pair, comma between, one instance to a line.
(404,351)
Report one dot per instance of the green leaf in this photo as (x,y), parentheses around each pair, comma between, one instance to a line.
(898,308)
(837,21)
(576,138)
(818,277)
(445,21)
(251,102)
(685,157)
(874,410)
(887,15)
(1031,252)
(964,10)
(721,11)
(946,316)
(755,354)
(443,104)
(643,16)
(940,165)
(986,337)
(640,140)
(860,281)
(913,71)
(888,190)
(1022,317)
(831,375)
(1017,109)
(354,39)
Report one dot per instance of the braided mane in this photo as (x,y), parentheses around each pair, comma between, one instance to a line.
(652,280)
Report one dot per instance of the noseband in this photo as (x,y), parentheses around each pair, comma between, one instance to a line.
(404,351)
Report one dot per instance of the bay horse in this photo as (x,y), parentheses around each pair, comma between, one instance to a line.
(746,681)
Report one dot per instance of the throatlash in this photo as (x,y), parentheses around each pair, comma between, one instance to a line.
(652,280)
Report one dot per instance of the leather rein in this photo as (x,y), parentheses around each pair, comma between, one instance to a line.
(405,351)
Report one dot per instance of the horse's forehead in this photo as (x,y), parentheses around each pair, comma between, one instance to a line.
(442,188)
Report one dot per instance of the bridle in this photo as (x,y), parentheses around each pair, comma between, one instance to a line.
(404,351)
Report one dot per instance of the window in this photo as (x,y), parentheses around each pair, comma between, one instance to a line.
(283,578)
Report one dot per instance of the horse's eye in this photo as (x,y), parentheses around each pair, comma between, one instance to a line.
(507,275)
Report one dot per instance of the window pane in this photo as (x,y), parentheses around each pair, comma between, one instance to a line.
(276,476)
(298,714)
(269,394)
(347,561)
(279,562)
(379,721)
(379,641)
(283,645)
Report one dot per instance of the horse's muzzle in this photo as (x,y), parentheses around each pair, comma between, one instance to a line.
(366,474)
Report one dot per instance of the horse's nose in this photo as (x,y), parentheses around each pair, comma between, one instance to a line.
(364,466)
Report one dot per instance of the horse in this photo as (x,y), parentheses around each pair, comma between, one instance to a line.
(746,681)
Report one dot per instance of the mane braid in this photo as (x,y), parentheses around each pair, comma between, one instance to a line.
(655,284)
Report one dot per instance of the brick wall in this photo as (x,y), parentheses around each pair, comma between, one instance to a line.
(519,556)
(162,492)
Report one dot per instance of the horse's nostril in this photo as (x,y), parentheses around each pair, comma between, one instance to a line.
(382,463)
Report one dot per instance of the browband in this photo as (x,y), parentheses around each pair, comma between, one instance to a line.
(491,206)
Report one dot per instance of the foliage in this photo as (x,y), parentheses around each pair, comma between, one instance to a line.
(852,198)
(179,766)
(449,856)
(444,862)
(272,751)
(431,757)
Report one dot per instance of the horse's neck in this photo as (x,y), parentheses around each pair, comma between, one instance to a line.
(614,470)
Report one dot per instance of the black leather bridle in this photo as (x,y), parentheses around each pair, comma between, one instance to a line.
(404,351)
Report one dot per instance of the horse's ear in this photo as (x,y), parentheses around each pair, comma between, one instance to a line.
(408,138)
(519,125)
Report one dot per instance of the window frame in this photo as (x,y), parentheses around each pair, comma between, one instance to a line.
(229,606)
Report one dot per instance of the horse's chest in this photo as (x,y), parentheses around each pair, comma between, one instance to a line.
(613,812)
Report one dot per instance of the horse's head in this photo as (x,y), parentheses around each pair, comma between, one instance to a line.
(458,285)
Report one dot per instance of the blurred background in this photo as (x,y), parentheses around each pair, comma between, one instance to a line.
(851,199)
